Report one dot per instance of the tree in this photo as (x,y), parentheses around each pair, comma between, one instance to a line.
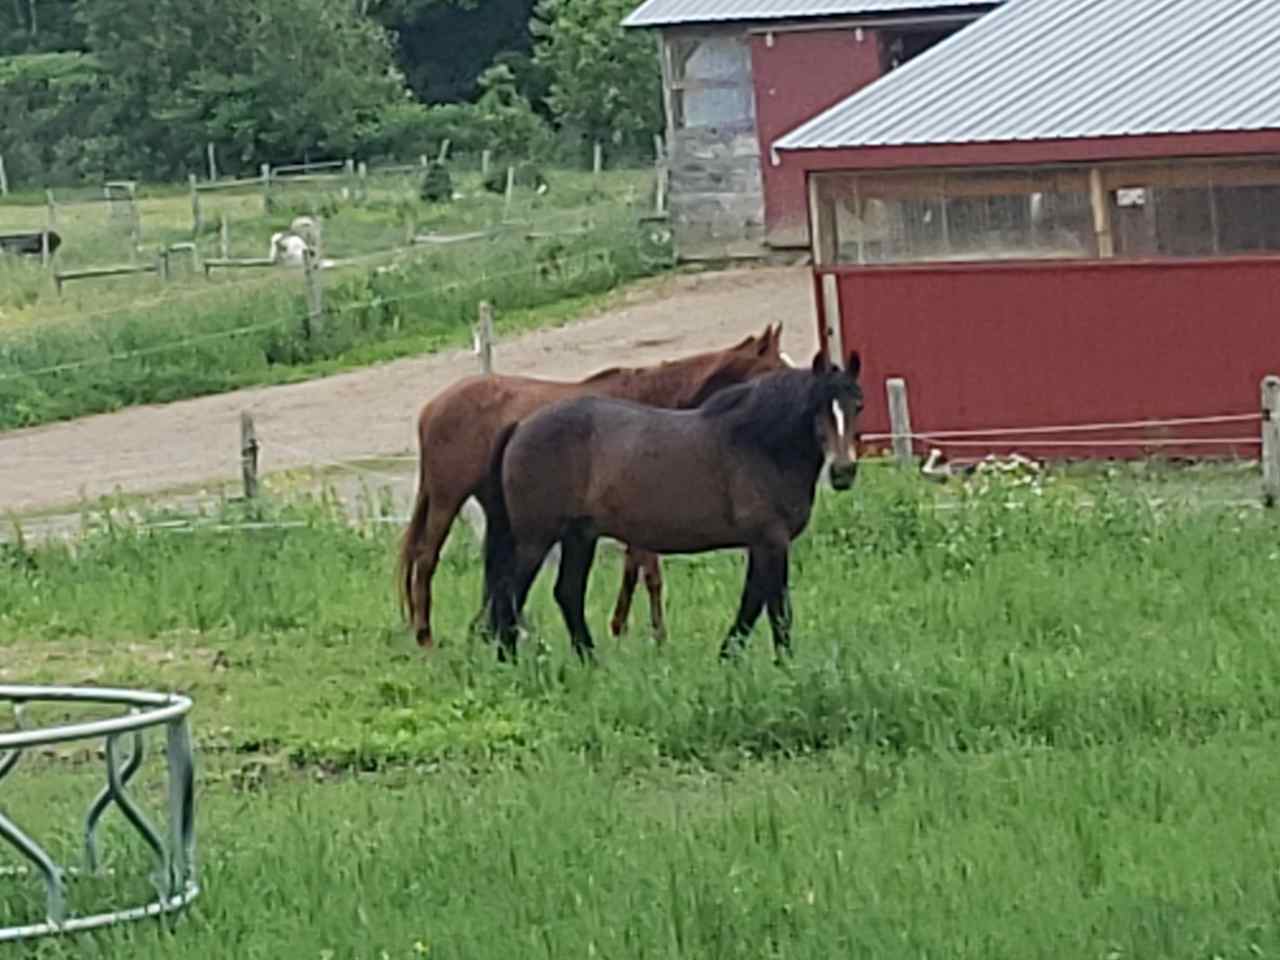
(444,45)
(56,122)
(38,26)
(605,81)
(271,83)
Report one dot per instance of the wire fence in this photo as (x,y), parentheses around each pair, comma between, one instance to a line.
(557,269)
(375,480)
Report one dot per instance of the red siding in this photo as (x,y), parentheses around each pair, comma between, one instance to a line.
(796,78)
(1017,345)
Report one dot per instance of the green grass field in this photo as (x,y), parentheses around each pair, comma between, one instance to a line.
(119,342)
(1028,721)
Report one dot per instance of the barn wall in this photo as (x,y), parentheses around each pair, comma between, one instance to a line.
(1015,345)
(797,76)
(716,197)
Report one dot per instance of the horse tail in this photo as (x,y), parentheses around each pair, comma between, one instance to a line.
(410,546)
(499,540)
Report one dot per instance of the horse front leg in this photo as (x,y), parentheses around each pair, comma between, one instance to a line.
(630,577)
(778,591)
(753,598)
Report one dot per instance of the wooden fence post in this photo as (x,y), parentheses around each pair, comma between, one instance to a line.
(486,160)
(53,207)
(4,178)
(362,170)
(224,235)
(349,172)
(162,266)
(423,162)
(597,159)
(264,171)
(1271,440)
(899,420)
(213,162)
(660,192)
(484,337)
(248,455)
(511,189)
(444,151)
(315,294)
(197,221)
(44,251)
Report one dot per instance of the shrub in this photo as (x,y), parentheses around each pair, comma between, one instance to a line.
(437,184)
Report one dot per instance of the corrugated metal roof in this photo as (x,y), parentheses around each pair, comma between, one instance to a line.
(1066,69)
(662,13)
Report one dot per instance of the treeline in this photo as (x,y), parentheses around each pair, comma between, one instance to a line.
(124,88)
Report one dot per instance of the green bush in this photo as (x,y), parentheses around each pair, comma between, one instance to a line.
(437,184)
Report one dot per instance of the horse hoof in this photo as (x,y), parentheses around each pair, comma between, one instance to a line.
(617,629)
(424,639)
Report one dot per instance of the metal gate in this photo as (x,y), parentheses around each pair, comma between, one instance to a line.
(174,851)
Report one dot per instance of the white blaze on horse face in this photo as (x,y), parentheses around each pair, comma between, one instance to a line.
(851,446)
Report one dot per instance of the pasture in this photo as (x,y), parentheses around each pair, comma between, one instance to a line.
(1025,719)
(111,343)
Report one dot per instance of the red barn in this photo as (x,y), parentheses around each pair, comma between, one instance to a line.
(1067,213)
(739,73)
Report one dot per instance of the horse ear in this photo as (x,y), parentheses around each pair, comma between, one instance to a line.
(767,342)
(854,365)
(820,362)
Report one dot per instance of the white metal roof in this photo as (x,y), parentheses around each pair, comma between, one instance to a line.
(662,13)
(1066,69)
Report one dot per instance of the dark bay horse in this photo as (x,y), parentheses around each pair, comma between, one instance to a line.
(458,430)
(741,471)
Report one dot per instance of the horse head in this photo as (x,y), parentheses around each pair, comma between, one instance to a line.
(752,357)
(839,407)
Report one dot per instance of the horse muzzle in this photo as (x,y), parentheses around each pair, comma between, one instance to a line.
(843,475)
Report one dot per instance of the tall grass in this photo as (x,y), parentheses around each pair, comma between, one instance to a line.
(1014,727)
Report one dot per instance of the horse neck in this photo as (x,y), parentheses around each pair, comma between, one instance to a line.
(790,441)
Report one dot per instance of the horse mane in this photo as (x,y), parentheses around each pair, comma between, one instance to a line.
(771,411)
(665,366)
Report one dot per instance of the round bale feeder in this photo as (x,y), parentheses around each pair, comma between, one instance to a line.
(1050,223)
(25,861)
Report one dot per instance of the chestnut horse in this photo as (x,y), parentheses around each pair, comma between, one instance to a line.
(740,471)
(457,431)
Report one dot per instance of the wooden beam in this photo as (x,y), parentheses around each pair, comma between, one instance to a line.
(1101,215)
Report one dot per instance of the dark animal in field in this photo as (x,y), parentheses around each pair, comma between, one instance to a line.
(28,243)
(741,471)
(458,430)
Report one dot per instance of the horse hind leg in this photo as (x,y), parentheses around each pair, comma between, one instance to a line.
(508,596)
(426,559)
(577,551)
(652,567)
(630,577)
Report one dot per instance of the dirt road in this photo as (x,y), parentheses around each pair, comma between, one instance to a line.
(371,411)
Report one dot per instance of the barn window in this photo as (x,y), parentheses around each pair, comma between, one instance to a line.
(1172,209)
(984,215)
(1189,209)
(711,82)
